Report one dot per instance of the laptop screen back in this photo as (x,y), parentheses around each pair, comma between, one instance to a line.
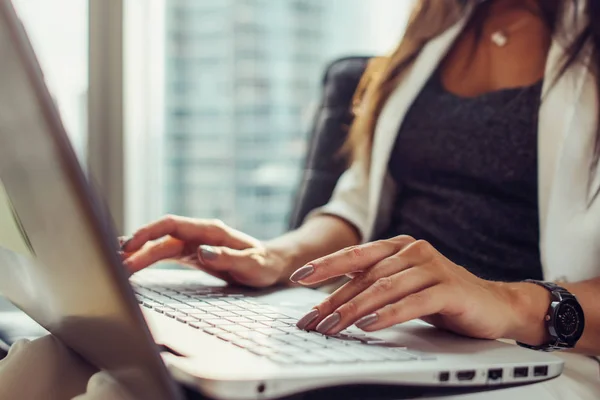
(58,252)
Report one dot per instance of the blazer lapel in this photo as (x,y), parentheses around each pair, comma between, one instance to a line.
(565,114)
(397,106)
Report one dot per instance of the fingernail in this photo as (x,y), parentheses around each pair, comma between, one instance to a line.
(302,273)
(307,319)
(366,321)
(208,253)
(125,243)
(329,323)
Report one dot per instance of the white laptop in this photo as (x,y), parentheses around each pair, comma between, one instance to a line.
(59,264)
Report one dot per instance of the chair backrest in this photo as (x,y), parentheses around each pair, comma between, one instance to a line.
(324,163)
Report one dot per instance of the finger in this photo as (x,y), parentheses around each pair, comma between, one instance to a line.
(417,305)
(384,291)
(246,266)
(152,253)
(352,259)
(358,284)
(211,232)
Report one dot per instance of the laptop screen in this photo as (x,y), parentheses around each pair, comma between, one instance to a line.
(58,252)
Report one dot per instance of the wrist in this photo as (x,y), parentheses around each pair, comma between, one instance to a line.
(529,304)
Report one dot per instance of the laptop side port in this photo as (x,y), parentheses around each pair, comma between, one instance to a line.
(465,375)
(521,372)
(541,370)
(495,374)
(444,376)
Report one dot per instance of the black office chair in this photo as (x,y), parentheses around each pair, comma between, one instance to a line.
(324,163)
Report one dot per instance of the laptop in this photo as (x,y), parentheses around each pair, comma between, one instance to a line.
(59,264)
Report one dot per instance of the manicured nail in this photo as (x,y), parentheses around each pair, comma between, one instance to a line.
(208,253)
(307,319)
(366,321)
(329,323)
(302,273)
(125,243)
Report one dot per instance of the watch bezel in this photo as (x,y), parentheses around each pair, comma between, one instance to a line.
(557,307)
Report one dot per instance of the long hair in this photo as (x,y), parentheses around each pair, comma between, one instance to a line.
(429,19)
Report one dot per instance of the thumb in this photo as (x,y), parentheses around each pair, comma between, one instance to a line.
(245,266)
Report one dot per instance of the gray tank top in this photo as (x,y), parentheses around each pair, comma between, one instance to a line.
(467,175)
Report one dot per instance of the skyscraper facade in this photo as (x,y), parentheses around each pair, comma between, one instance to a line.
(240,79)
(240,76)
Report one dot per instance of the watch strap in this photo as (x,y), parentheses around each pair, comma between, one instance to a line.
(555,290)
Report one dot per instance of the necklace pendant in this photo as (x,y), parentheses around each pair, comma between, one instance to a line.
(499,38)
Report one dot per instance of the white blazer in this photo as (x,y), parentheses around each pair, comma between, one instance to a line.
(569,209)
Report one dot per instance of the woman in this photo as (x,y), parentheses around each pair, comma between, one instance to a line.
(475,167)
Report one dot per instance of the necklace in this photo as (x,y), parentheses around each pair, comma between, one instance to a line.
(501,37)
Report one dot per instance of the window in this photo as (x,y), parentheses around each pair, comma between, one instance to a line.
(221,92)
(58,31)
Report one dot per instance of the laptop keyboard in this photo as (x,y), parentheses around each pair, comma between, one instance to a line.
(263,330)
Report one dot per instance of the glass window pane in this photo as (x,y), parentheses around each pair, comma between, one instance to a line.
(236,84)
(58,30)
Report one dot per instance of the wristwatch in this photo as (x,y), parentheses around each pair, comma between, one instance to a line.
(564,320)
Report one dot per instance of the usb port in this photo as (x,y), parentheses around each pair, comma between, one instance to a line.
(444,376)
(465,375)
(521,372)
(540,371)
(495,374)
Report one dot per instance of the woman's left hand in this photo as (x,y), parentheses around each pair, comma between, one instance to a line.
(401,279)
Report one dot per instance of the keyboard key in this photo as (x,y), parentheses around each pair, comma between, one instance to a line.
(236,328)
(186,319)
(261,318)
(224,314)
(262,351)
(216,303)
(209,310)
(217,321)
(246,313)
(289,329)
(281,359)
(268,341)
(200,325)
(271,331)
(163,310)
(309,358)
(175,314)
(276,316)
(228,337)
(243,343)
(274,324)
(232,308)
(335,356)
(249,334)
(238,319)
(253,325)
(214,331)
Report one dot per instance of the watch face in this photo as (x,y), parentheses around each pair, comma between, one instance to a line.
(569,320)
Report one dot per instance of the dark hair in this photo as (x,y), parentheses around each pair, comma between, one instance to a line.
(431,18)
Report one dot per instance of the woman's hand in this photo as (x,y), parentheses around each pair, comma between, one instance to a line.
(401,279)
(209,245)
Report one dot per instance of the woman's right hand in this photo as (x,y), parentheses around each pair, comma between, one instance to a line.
(209,245)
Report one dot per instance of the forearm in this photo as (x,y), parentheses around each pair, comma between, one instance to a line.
(319,236)
(531,304)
